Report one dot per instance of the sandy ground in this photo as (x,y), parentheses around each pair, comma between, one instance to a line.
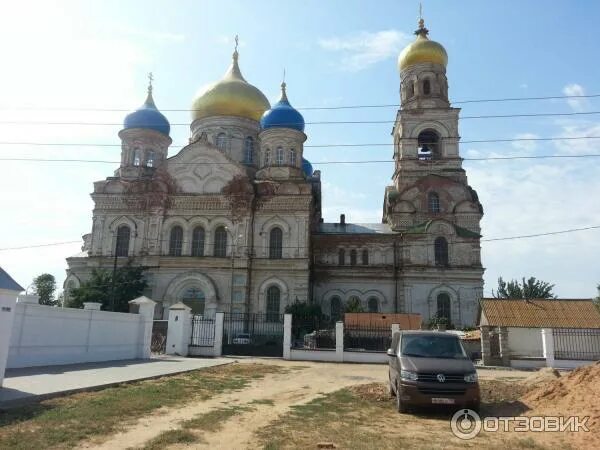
(304,383)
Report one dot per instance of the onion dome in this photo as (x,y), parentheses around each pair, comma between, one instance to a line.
(230,96)
(148,116)
(422,50)
(282,114)
(307,167)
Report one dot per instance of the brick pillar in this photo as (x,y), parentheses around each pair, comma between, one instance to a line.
(548,346)
(287,336)
(339,341)
(504,348)
(486,356)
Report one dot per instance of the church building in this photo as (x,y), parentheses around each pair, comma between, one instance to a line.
(232,222)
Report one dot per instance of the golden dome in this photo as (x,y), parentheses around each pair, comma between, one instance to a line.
(422,50)
(230,96)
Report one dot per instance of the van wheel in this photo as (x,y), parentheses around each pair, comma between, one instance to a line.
(400,406)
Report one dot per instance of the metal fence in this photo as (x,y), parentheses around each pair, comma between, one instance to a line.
(203,332)
(367,338)
(576,344)
(158,343)
(252,334)
(313,333)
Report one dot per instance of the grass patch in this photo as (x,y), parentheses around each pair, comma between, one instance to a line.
(171,437)
(64,422)
(264,401)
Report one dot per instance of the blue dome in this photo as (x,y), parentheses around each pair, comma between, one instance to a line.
(282,115)
(307,167)
(148,117)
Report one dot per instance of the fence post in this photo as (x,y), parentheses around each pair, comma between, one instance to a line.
(218,341)
(179,331)
(504,348)
(287,336)
(548,346)
(339,341)
(395,328)
(146,313)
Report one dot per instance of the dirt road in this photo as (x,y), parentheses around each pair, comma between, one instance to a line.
(270,397)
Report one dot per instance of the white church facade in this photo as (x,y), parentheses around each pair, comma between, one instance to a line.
(232,222)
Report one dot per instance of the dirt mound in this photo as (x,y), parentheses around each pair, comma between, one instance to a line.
(574,394)
(374,392)
(540,377)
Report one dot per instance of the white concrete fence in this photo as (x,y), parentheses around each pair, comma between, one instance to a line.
(36,335)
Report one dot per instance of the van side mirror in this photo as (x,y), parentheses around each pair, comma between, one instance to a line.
(391,352)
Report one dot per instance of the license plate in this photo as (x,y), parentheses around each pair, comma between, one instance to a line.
(442,401)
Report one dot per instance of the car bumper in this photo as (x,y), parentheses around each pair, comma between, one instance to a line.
(435,394)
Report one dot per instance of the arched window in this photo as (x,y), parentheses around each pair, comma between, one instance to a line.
(176,241)
(267,157)
(341,257)
(433,202)
(221,141)
(275,243)
(279,156)
(335,307)
(443,307)
(249,149)
(441,251)
(428,145)
(353,257)
(411,89)
(273,303)
(122,244)
(194,298)
(365,257)
(198,241)
(220,244)
(426,87)
(137,157)
(150,158)
(373,305)
(293,159)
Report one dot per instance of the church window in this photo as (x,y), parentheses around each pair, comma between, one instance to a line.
(220,245)
(279,156)
(443,307)
(249,149)
(194,298)
(137,157)
(426,87)
(122,244)
(365,257)
(293,158)
(198,241)
(411,89)
(373,305)
(221,141)
(352,257)
(176,241)
(433,202)
(267,157)
(273,303)
(341,257)
(335,307)
(428,145)
(150,158)
(441,251)
(275,243)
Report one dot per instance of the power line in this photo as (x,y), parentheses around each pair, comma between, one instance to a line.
(475,141)
(330,122)
(305,108)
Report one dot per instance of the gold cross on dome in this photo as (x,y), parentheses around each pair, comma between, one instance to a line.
(237,41)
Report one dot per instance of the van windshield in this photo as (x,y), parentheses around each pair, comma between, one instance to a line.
(432,347)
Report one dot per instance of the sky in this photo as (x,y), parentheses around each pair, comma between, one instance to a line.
(68,61)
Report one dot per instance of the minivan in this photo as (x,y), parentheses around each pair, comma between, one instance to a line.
(429,368)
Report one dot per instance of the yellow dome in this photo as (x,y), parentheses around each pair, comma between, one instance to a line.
(231,96)
(422,50)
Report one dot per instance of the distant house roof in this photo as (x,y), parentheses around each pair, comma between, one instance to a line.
(539,313)
(6,282)
(355,228)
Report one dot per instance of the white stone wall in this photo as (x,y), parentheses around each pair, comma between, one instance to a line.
(525,342)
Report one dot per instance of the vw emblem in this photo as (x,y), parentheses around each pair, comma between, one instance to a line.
(441,377)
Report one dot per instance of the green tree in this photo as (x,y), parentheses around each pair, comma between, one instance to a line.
(129,283)
(44,286)
(354,306)
(304,309)
(597,299)
(527,289)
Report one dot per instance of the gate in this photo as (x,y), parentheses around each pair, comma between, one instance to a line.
(253,334)
(203,332)
(158,343)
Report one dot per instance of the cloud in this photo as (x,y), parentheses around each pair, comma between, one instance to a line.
(527,145)
(362,50)
(577,104)
(578,129)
